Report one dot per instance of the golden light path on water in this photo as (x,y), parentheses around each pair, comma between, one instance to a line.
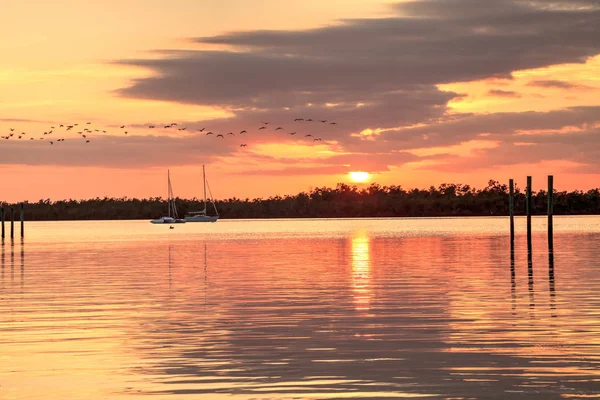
(361,270)
(316,309)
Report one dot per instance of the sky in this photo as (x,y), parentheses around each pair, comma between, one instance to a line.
(422,92)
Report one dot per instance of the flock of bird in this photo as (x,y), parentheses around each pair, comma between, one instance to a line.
(84,131)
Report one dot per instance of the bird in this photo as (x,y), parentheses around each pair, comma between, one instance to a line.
(230,133)
(51,142)
(87,123)
(167,126)
(279,128)
(87,141)
(292,133)
(317,140)
(103,131)
(19,137)
(95,130)
(309,135)
(323,121)
(84,136)
(243,132)
(221,136)
(171,227)
(61,126)
(12,129)
(49,132)
(262,127)
(333,123)
(243,145)
(210,133)
(126,132)
(183,129)
(30,138)
(151,126)
(75,124)
(299,119)
(266,123)
(173,124)
(122,126)
(201,130)
(309,120)
(52,127)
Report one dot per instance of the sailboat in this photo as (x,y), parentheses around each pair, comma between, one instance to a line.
(172,217)
(201,216)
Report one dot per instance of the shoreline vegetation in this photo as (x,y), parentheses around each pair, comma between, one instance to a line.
(343,201)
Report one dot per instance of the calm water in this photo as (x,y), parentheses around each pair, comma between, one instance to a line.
(318,309)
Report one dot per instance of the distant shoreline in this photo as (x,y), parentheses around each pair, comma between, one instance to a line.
(343,201)
(540,216)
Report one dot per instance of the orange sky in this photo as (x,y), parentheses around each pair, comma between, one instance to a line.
(68,62)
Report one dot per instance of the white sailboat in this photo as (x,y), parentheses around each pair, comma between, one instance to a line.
(201,216)
(172,217)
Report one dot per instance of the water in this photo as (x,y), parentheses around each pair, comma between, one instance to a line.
(317,309)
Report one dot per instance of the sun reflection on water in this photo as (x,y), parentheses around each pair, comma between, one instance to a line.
(361,271)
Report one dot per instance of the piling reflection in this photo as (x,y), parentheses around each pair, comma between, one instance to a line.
(22,262)
(2,263)
(530,280)
(12,261)
(551,284)
(513,281)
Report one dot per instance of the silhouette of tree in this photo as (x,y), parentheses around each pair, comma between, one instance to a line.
(343,201)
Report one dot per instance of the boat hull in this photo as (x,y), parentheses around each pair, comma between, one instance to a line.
(167,220)
(201,218)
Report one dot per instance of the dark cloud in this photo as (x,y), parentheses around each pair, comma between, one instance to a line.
(24,120)
(497,126)
(430,42)
(124,152)
(380,74)
(503,93)
(581,147)
(555,84)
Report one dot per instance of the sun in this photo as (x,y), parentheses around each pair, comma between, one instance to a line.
(359,176)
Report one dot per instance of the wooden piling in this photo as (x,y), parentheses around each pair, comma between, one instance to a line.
(550,212)
(528,208)
(2,216)
(511,211)
(12,222)
(22,220)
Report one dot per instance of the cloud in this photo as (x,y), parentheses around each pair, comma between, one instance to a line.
(503,126)
(503,93)
(428,43)
(120,152)
(543,83)
(380,74)
(582,147)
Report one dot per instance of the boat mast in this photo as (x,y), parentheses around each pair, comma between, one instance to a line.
(169,191)
(204,180)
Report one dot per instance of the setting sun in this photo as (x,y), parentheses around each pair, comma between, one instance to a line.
(359,176)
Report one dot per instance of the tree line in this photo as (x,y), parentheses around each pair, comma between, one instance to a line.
(343,201)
